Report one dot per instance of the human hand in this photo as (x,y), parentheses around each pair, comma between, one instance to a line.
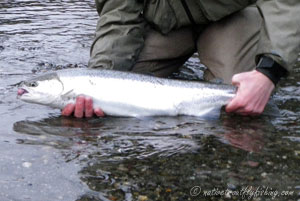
(82,108)
(254,91)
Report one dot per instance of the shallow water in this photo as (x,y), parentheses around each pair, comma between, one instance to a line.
(47,157)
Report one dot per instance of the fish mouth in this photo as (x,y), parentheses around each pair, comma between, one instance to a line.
(22,91)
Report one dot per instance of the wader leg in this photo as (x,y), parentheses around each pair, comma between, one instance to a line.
(229,46)
(164,54)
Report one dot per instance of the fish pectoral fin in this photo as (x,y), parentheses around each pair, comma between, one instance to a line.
(67,94)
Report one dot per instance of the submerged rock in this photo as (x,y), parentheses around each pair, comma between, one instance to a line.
(46,66)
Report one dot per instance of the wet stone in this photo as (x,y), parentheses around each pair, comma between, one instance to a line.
(252,163)
(231,186)
(264,174)
(142,198)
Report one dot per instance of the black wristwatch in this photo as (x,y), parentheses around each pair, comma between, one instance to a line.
(271,69)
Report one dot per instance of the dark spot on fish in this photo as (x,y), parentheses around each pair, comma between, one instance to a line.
(91,82)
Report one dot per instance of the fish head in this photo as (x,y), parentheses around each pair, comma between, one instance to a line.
(44,90)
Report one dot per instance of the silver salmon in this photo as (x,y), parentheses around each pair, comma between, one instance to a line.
(126,94)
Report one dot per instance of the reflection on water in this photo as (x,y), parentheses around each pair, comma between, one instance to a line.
(124,136)
(162,158)
(48,157)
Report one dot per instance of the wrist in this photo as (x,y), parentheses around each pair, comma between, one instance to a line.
(263,80)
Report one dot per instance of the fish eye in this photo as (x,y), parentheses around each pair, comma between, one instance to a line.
(33,84)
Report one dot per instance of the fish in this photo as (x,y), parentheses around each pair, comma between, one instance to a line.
(126,94)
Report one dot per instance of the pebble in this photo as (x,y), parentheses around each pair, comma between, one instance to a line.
(231,186)
(123,168)
(168,190)
(264,174)
(142,198)
(27,164)
(113,198)
(253,163)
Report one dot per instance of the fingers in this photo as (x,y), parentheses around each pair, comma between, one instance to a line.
(99,112)
(241,106)
(68,110)
(233,105)
(254,90)
(82,108)
(89,107)
(79,107)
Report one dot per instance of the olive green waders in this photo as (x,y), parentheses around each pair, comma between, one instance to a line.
(225,47)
